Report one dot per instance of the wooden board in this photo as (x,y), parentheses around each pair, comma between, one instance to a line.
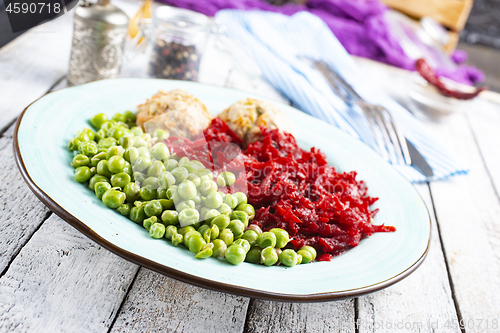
(451,13)
(421,302)
(63,282)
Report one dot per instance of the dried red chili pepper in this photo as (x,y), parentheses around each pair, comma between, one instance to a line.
(430,76)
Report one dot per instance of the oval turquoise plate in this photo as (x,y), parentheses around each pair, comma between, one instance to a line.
(49,123)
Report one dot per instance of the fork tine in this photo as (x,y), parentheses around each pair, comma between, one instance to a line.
(398,139)
(389,125)
(382,124)
(378,139)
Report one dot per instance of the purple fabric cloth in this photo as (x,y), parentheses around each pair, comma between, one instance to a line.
(359,25)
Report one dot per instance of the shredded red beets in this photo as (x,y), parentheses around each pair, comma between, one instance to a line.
(290,188)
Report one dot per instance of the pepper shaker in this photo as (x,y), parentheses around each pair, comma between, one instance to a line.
(99,35)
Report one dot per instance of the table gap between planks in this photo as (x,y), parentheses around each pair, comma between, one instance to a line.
(54,279)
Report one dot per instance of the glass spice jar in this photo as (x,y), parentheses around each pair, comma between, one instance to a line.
(178,41)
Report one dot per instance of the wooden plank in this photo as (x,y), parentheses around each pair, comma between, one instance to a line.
(31,64)
(160,304)
(484,119)
(451,13)
(63,282)
(21,213)
(268,316)
(467,210)
(420,303)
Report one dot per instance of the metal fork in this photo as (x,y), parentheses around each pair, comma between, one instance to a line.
(390,139)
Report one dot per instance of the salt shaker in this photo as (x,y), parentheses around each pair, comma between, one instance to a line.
(99,36)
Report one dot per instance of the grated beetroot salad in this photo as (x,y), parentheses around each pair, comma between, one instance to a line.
(294,189)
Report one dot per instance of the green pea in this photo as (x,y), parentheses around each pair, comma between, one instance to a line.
(156,169)
(177,239)
(103,170)
(98,120)
(106,143)
(226,179)
(131,154)
(124,209)
(151,181)
(210,233)
(282,237)
(253,256)
(119,117)
(205,172)
(187,190)
(126,142)
(188,216)
(140,142)
(171,164)
(116,164)
(128,169)
(82,174)
(152,208)
(161,193)
(137,214)
(203,228)
(93,171)
(166,204)
(247,209)
(184,205)
(312,253)
(88,148)
(242,198)
(172,194)
(237,227)
(205,251)
(288,257)
(210,215)
(240,215)
(207,187)
(194,179)
(166,179)
(180,174)
(90,133)
(170,231)
(99,135)
(196,243)
(160,151)
(137,131)
(160,134)
(157,230)
(115,132)
(120,179)
(305,255)
(129,116)
(114,151)
(243,243)
(94,161)
(251,236)
(82,136)
(139,177)
(113,198)
(231,201)
(268,256)
(73,144)
(214,200)
(132,192)
(101,188)
(235,254)
(197,200)
(224,209)
(96,179)
(170,217)
(142,163)
(226,236)
(147,223)
(80,160)
(219,250)
(267,239)
(147,193)
(184,230)
(221,221)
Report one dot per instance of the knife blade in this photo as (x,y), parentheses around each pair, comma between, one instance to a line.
(418,161)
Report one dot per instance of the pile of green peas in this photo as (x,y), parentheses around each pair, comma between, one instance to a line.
(174,198)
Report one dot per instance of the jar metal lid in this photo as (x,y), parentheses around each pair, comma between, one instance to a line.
(181,22)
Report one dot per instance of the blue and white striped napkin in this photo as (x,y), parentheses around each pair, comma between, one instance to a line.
(278,44)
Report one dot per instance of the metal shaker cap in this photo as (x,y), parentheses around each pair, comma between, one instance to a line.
(102,12)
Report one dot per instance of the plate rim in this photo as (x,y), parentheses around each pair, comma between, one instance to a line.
(189,278)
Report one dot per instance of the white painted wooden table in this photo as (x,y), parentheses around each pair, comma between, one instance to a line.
(54,279)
